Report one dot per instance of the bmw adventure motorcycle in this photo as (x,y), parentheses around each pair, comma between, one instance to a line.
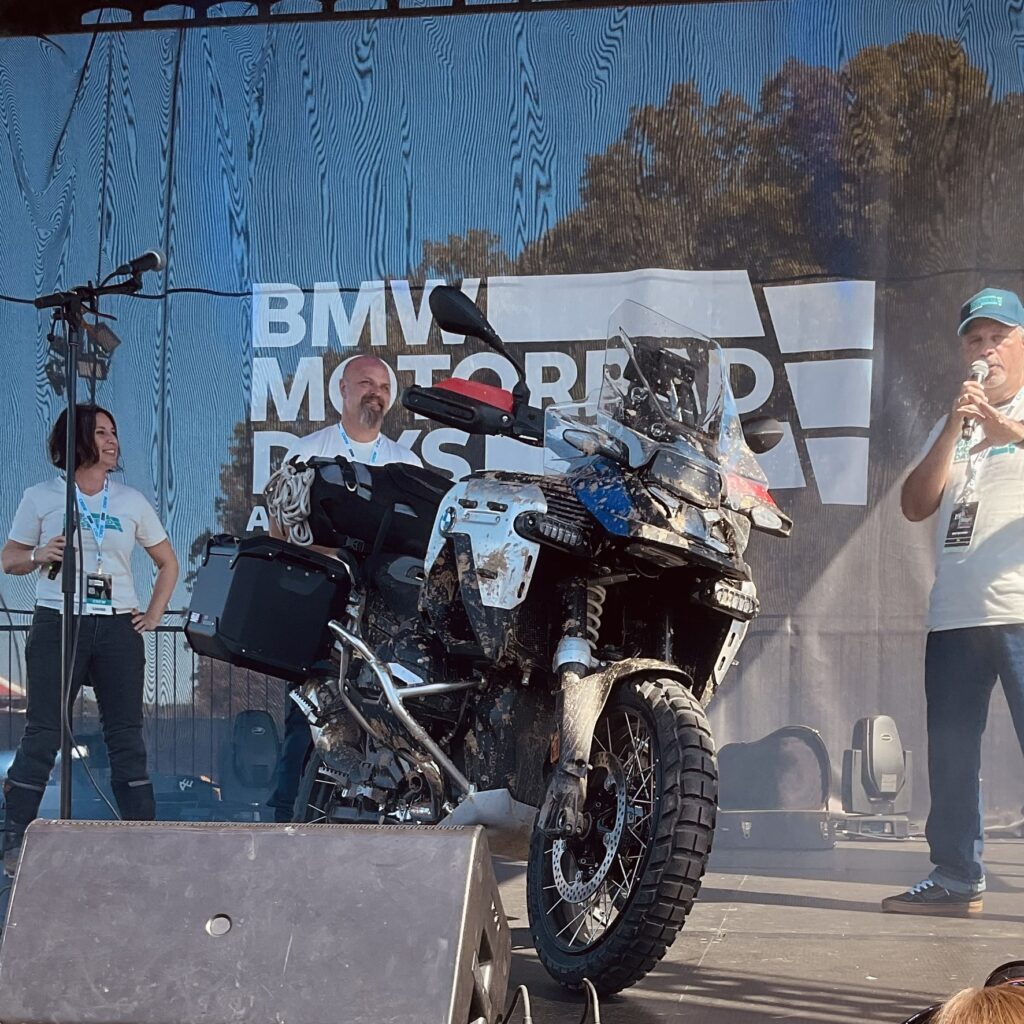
(524,641)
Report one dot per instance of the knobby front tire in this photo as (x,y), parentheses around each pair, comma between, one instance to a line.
(608,906)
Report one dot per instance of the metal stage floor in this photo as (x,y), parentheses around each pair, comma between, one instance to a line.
(799,936)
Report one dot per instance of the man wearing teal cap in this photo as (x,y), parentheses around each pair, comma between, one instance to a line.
(972,475)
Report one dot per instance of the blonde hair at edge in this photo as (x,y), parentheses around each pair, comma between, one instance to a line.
(1001,1004)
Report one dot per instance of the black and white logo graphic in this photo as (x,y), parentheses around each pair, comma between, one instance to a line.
(818,343)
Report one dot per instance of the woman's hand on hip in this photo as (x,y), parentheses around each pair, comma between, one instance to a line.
(145,622)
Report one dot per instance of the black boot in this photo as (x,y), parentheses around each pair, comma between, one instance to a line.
(135,800)
(21,806)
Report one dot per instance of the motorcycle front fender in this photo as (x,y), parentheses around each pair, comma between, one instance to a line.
(581,701)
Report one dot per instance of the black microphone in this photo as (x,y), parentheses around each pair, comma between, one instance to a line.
(152,260)
(52,300)
(979,371)
(53,569)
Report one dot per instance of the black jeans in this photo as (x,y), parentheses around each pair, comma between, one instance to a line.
(111,658)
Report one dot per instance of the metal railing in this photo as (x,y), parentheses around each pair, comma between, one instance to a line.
(190,702)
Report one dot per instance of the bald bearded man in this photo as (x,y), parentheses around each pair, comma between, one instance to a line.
(366,396)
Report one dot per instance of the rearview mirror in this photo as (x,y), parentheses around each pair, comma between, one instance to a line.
(456,313)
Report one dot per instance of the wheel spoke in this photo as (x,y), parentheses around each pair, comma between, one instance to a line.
(611,902)
(633,753)
(571,921)
(639,839)
(636,871)
(628,877)
(583,923)
(619,891)
(645,781)
(640,821)
(561,899)
(629,729)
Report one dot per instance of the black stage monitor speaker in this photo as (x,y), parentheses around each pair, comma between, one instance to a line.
(189,923)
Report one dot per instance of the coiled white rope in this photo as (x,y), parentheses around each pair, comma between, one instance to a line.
(287,497)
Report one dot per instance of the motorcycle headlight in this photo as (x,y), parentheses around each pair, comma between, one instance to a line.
(692,481)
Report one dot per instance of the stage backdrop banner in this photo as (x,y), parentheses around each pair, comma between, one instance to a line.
(818,184)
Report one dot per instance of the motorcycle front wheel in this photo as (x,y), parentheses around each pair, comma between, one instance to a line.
(607,905)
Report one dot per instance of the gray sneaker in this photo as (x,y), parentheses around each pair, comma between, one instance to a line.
(929,897)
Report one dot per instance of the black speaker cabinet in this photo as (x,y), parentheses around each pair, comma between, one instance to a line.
(206,923)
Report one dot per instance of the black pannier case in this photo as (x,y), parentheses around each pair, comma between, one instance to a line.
(264,604)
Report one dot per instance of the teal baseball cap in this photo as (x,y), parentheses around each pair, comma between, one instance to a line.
(992,304)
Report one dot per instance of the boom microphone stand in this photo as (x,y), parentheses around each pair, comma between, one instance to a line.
(71,307)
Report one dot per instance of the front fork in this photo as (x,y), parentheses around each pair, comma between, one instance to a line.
(585,687)
(581,699)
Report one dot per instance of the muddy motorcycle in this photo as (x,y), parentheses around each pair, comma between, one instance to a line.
(544,640)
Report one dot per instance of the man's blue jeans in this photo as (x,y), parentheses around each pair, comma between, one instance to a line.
(961,669)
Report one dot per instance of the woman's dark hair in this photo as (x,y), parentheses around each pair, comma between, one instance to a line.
(85,441)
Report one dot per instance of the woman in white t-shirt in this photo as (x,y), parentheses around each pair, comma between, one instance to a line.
(109,654)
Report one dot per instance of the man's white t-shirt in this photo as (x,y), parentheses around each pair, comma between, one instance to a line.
(328,442)
(130,520)
(983,584)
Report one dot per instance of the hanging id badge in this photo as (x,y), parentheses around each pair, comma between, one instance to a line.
(99,586)
(963,517)
(960,531)
(99,592)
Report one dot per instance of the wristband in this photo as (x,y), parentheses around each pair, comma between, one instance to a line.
(32,557)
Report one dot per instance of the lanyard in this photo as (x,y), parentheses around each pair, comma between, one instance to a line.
(976,462)
(97,526)
(352,451)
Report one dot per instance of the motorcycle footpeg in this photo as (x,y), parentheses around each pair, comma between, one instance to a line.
(345,764)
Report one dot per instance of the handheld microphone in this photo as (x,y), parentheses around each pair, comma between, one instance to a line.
(151,260)
(53,569)
(979,371)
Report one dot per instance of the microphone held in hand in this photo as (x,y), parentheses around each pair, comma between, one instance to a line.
(979,371)
(152,260)
(53,569)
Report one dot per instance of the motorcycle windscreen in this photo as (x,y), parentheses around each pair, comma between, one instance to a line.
(663,385)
